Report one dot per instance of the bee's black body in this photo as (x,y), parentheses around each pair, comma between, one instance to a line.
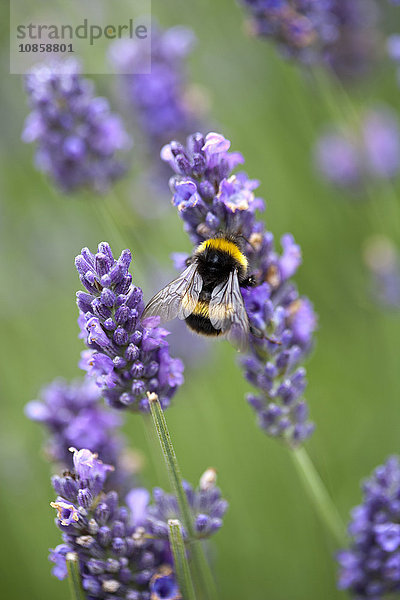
(207,294)
(216,258)
(199,320)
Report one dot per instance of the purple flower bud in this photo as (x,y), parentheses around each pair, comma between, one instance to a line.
(118,546)
(92,586)
(107,296)
(122,314)
(132,353)
(136,337)
(388,536)
(119,362)
(137,369)
(84,301)
(120,336)
(104,536)
(95,566)
(85,498)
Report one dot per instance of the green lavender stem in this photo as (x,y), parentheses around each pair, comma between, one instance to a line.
(172,463)
(203,576)
(182,569)
(319,495)
(74,577)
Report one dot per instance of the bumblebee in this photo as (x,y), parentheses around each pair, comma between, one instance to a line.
(207,294)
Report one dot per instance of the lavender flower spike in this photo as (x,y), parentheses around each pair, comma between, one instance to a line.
(75,416)
(206,505)
(77,136)
(210,199)
(370,568)
(127,357)
(118,558)
(340,34)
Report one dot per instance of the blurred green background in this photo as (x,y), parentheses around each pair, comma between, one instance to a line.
(272,545)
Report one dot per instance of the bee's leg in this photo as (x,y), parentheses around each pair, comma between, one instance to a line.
(189,260)
(260,335)
(251,281)
(256,331)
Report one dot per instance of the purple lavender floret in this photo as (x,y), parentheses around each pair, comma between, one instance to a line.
(78,137)
(118,557)
(206,504)
(164,585)
(210,199)
(127,357)
(370,568)
(352,157)
(340,34)
(157,98)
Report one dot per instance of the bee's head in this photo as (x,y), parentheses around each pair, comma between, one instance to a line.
(217,257)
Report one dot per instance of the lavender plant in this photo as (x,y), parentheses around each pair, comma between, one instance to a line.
(339,34)
(121,547)
(78,138)
(353,157)
(127,356)
(370,568)
(211,199)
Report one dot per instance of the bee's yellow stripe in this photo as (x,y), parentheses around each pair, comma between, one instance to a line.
(201,309)
(225,246)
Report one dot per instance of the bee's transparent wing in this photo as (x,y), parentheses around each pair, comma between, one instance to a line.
(228,313)
(178,298)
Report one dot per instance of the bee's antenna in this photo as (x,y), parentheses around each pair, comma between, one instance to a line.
(246,240)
